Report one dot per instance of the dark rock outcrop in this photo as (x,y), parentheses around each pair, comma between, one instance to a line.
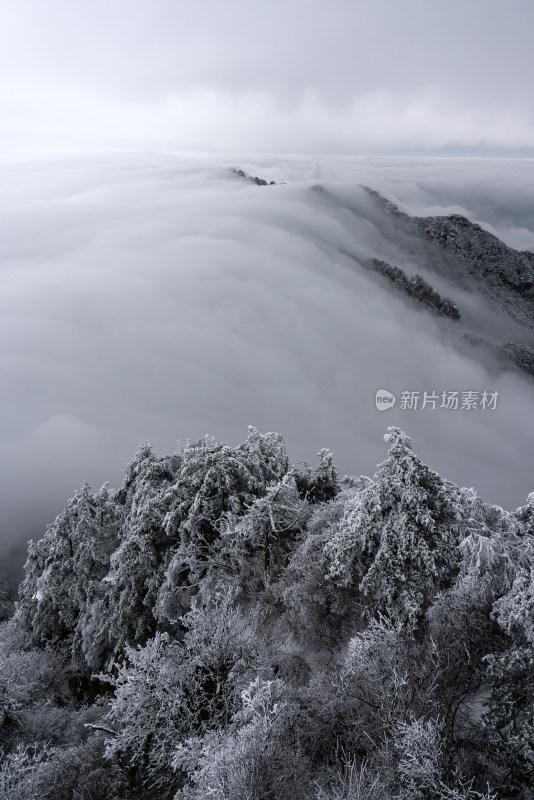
(521,355)
(510,354)
(258,181)
(415,287)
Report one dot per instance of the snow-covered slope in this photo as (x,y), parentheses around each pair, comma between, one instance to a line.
(476,258)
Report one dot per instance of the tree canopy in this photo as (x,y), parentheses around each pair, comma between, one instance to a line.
(227,625)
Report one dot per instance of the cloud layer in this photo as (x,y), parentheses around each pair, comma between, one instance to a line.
(157,297)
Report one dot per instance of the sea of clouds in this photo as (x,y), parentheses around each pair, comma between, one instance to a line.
(159,297)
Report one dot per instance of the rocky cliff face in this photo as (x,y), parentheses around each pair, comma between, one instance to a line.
(476,258)
(485,256)
(415,287)
(519,354)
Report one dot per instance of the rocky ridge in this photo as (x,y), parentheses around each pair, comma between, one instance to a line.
(475,258)
(472,257)
(415,287)
(258,181)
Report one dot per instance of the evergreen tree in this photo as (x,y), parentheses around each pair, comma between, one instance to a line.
(397,538)
(167,691)
(215,482)
(254,547)
(322,483)
(136,569)
(64,569)
(495,544)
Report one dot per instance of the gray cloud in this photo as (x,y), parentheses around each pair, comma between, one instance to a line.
(339,48)
(294,76)
(155,297)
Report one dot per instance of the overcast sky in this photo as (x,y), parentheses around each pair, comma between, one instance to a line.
(291,76)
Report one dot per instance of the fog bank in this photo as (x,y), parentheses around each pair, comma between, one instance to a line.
(156,297)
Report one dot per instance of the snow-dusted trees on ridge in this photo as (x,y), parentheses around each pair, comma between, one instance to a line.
(510,674)
(110,563)
(168,691)
(265,631)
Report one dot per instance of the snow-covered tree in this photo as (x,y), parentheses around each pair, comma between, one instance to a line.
(495,544)
(64,569)
(515,610)
(166,690)
(322,483)
(136,568)
(253,547)
(509,720)
(215,483)
(510,716)
(495,552)
(249,759)
(525,515)
(27,773)
(397,538)
(317,612)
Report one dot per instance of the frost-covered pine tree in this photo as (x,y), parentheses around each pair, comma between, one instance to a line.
(495,544)
(396,540)
(64,569)
(137,564)
(167,691)
(509,720)
(322,483)
(254,546)
(215,481)
(218,478)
